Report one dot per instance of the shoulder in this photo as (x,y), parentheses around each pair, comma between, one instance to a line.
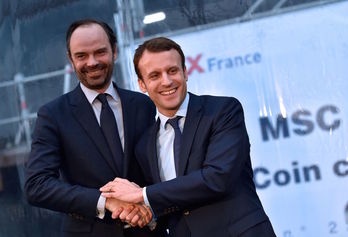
(58,103)
(219,110)
(134,95)
(222,113)
(142,102)
(216,103)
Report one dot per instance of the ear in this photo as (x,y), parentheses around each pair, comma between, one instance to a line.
(185,74)
(142,85)
(71,61)
(115,53)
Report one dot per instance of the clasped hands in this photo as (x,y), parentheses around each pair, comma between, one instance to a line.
(124,199)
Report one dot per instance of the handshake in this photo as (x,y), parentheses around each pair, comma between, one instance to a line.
(124,199)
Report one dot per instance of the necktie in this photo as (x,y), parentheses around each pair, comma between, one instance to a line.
(174,122)
(108,125)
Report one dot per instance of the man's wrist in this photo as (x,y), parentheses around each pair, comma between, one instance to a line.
(101,207)
(147,203)
(146,200)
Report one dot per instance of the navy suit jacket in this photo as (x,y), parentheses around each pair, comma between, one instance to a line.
(70,159)
(214,193)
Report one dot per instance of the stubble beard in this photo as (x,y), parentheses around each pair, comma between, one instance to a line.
(86,81)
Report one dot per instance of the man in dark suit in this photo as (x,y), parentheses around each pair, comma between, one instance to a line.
(86,138)
(196,155)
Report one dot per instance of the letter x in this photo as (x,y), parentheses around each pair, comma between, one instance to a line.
(194,64)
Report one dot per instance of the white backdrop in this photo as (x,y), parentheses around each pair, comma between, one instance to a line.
(291,67)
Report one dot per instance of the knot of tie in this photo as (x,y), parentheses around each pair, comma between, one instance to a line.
(174,122)
(102,98)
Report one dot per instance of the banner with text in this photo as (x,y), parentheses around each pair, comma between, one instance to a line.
(290,72)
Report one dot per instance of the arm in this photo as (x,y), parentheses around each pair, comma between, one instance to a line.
(43,187)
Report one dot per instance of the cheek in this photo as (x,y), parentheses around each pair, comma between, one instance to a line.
(107,59)
(152,87)
(78,66)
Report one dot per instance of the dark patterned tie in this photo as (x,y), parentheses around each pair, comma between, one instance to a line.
(174,122)
(108,125)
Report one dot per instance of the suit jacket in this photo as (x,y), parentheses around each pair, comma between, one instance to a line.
(214,193)
(70,159)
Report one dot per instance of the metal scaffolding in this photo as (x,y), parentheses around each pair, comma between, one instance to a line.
(24,115)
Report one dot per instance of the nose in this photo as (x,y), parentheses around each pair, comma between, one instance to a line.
(166,80)
(91,61)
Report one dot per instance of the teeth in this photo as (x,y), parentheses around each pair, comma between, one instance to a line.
(168,92)
(94,71)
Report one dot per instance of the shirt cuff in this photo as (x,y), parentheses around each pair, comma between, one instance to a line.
(146,201)
(152,224)
(101,207)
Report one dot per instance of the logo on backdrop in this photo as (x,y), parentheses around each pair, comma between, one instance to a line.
(200,64)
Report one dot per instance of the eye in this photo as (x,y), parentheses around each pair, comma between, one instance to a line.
(153,76)
(101,52)
(173,70)
(80,56)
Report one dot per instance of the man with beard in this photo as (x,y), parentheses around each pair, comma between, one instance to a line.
(85,138)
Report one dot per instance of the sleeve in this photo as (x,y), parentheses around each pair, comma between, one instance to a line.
(43,185)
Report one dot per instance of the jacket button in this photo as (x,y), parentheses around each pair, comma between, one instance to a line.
(186,213)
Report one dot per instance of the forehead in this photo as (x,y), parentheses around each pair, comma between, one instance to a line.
(158,60)
(87,36)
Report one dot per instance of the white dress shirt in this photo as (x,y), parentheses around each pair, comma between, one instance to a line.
(164,144)
(116,106)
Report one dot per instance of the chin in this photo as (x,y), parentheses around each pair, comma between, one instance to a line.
(98,83)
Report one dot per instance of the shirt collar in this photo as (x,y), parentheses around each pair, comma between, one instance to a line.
(182,111)
(92,94)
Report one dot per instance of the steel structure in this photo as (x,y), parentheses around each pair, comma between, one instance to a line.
(23,118)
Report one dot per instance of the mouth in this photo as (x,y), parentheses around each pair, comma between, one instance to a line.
(94,72)
(169,92)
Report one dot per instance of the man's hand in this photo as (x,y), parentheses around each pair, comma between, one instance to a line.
(133,214)
(140,216)
(117,207)
(123,190)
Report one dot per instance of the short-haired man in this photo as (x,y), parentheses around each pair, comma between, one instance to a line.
(197,154)
(86,138)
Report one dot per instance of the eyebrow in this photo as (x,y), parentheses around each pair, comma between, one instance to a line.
(103,49)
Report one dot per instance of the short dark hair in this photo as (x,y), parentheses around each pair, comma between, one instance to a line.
(109,32)
(154,45)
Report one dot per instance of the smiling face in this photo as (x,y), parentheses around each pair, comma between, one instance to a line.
(164,79)
(92,56)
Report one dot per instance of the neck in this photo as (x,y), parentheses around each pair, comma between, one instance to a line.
(168,113)
(102,90)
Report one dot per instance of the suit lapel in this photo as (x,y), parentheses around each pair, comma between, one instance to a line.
(128,114)
(84,114)
(152,152)
(194,114)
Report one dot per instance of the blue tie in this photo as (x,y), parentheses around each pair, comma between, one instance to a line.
(174,122)
(108,125)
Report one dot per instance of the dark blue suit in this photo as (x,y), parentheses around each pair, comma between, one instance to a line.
(70,159)
(214,193)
